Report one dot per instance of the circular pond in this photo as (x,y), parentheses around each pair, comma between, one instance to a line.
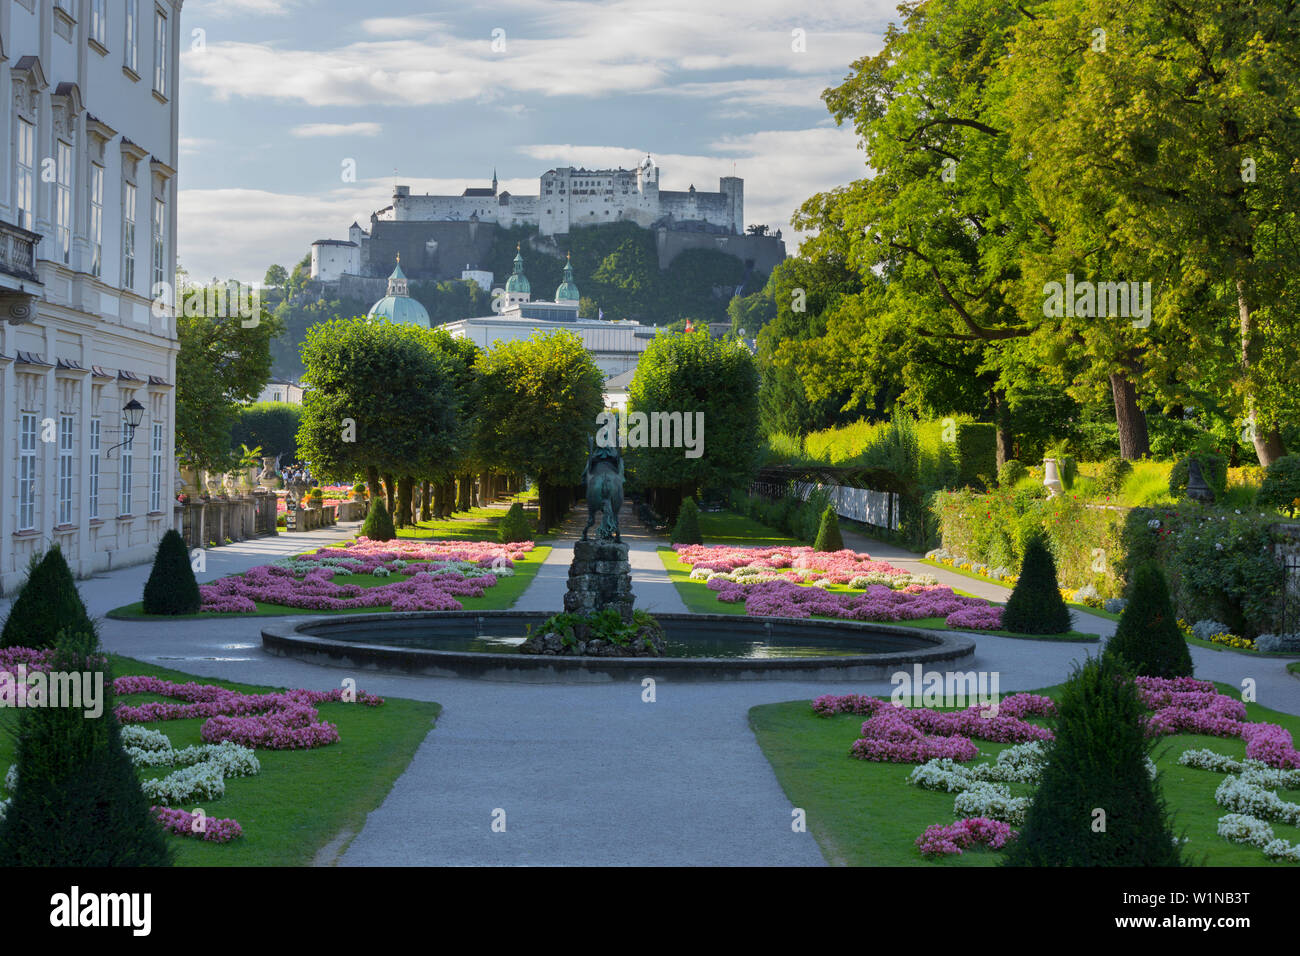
(701,647)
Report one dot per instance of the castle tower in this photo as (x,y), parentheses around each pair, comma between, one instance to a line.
(733,187)
(494,180)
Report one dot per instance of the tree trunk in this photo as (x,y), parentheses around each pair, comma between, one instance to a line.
(446,499)
(426,505)
(1268,442)
(484,490)
(545,508)
(405,485)
(1133,440)
(372,479)
(1002,419)
(464,493)
(390,492)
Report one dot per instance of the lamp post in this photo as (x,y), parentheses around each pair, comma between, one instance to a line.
(132,414)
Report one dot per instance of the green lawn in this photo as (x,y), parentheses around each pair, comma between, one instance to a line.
(477,524)
(302,799)
(730,528)
(501,597)
(864,813)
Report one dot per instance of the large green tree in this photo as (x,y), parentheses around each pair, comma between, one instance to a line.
(1161,139)
(706,380)
(223,362)
(538,400)
(383,399)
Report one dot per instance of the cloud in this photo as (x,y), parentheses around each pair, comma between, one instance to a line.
(231,9)
(336,129)
(559,48)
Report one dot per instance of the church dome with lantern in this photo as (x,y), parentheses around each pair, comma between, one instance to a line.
(568,291)
(397,305)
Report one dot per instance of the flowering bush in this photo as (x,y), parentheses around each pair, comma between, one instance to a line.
(280,721)
(993,800)
(1186,705)
(1252,792)
(913,735)
(953,838)
(201,782)
(181,823)
(433,575)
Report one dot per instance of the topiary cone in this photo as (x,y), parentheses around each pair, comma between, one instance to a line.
(378,525)
(1096,804)
(828,532)
(1147,636)
(47,603)
(78,800)
(172,588)
(687,529)
(1035,605)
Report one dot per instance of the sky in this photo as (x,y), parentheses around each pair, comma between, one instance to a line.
(281,98)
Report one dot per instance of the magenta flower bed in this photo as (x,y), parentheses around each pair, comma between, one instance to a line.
(418,587)
(876,603)
(914,735)
(951,839)
(281,721)
(839,567)
(1185,705)
(181,823)
(788,598)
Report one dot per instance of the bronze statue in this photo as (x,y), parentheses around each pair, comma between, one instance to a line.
(603,476)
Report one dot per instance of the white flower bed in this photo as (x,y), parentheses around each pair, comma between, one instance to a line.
(1241,828)
(1022,763)
(232,759)
(992,800)
(203,781)
(144,738)
(1251,793)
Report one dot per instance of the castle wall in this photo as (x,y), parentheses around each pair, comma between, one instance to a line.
(758,252)
(329,260)
(429,250)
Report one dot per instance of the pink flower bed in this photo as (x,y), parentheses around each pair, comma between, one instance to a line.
(951,839)
(281,721)
(181,823)
(914,735)
(839,567)
(876,603)
(419,587)
(1185,705)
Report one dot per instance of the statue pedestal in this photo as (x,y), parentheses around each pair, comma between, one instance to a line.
(599,577)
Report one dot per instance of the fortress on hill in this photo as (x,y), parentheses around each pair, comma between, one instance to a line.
(450,237)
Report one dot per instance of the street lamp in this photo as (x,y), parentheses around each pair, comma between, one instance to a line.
(132,415)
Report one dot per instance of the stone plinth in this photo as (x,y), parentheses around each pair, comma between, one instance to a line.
(599,577)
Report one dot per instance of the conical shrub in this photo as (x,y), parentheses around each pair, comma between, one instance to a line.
(1035,605)
(687,529)
(514,525)
(47,603)
(172,588)
(1147,636)
(1096,803)
(378,525)
(828,532)
(78,801)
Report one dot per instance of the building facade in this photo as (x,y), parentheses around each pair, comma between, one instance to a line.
(87,262)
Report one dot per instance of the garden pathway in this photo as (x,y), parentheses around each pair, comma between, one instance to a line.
(586,774)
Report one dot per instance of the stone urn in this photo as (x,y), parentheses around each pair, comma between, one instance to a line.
(1052,477)
(267,476)
(213,483)
(297,490)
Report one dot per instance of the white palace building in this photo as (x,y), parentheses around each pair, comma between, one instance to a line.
(87,230)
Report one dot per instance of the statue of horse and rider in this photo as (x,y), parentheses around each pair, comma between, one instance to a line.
(603,476)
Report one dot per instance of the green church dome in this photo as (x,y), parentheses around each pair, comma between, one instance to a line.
(567,292)
(517,282)
(398,306)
